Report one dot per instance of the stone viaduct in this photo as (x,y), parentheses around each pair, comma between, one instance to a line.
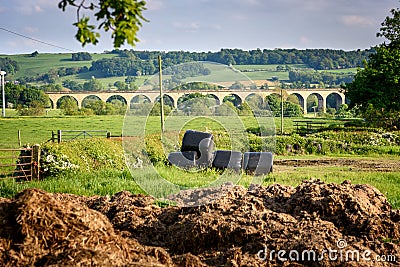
(219,95)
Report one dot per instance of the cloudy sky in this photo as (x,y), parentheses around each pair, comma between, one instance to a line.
(206,25)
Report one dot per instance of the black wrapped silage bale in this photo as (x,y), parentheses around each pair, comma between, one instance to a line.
(258,163)
(227,159)
(200,142)
(191,140)
(186,159)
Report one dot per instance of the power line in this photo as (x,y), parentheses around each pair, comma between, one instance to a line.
(36,40)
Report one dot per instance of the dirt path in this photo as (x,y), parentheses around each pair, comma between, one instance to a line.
(376,165)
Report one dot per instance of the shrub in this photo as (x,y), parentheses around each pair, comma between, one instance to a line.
(35,109)
(355,123)
(85,155)
(54,163)
(155,150)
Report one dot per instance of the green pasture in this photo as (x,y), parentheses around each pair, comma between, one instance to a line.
(38,129)
(264,72)
(107,180)
(43,63)
(351,70)
(108,83)
(267,75)
(268,67)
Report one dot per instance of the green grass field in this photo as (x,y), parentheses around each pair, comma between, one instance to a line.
(110,181)
(43,63)
(38,129)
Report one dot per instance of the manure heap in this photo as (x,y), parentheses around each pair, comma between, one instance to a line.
(43,229)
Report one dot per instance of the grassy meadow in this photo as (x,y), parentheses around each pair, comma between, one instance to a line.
(99,178)
(39,129)
(43,63)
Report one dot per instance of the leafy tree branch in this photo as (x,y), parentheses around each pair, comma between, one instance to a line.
(122,17)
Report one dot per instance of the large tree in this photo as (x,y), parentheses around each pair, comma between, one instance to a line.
(375,91)
(122,17)
(25,96)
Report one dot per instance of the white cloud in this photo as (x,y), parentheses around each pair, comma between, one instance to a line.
(315,5)
(239,17)
(34,6)
(305,40)
(12,44)
(189,27)
(217,27)
(304,5)
(37,9)
(154,5)
(251,2)
(354,20)
(30,30)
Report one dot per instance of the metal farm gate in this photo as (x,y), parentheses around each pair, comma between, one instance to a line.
(20,163)
(69,135)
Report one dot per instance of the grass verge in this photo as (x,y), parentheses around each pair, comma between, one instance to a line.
(110,181)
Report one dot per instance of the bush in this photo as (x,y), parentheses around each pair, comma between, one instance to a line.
(35,109)
(355,123)
(155,150)
(81,56)
(85,155)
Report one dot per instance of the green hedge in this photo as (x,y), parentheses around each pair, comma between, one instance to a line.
(83,155)
(326,143)
(96,154)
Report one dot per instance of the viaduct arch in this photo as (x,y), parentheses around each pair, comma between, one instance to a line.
(219,95)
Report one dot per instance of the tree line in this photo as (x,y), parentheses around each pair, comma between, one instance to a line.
(8,65)
(304,79)
(319,59)
(136,63)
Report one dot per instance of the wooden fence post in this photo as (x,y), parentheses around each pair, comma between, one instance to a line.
(59,136)
(35,167)
(19,137)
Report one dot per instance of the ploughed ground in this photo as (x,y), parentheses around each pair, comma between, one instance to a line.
(244,227)
(368,165)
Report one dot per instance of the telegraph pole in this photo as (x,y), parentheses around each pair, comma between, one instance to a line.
(3,112)
(281,111)
(161,93)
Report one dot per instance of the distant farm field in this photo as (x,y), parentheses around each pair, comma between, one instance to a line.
(43,63)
